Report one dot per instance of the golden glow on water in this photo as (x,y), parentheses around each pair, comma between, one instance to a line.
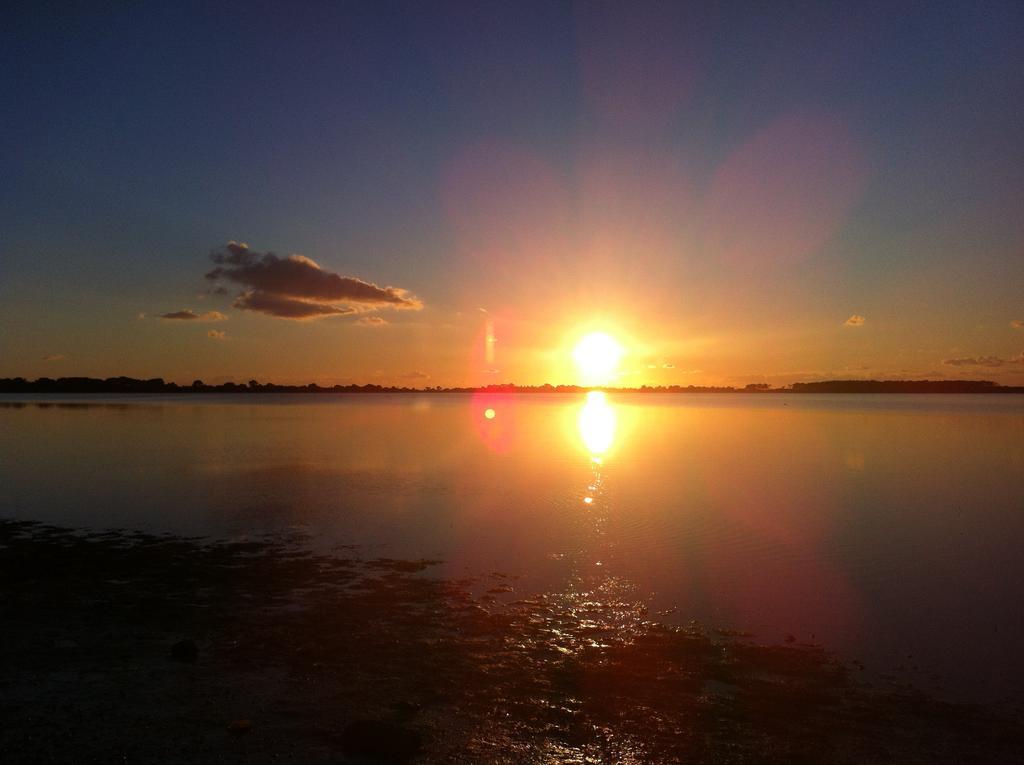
(596,423)
(729,507)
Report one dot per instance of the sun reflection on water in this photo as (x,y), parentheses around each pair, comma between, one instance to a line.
(596,422)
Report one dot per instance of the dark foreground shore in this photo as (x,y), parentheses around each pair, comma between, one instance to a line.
(130,648)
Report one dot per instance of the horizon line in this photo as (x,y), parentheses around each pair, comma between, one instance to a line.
(124,384)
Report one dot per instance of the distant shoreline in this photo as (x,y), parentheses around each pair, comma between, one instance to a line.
(126,385)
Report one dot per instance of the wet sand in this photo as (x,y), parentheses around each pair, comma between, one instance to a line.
(302,657)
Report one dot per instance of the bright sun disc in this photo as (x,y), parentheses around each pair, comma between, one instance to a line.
(597,356)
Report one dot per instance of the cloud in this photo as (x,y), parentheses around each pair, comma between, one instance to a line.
(296,287)
(668,365)
(53,357)
(855,321)
(372,321)
(286,307)
(190,315)
(1017,323)
(216,334)
(415,376)
(985,361)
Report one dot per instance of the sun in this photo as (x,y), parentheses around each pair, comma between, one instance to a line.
(597,356)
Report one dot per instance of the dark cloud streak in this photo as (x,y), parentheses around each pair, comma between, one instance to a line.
(286,307)
(190,315)
(985,361)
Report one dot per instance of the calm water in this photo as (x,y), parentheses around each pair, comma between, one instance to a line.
(889,528)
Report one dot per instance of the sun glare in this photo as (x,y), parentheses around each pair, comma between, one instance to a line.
(596,423)
(597,357)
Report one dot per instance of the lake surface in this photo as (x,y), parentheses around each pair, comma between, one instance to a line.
(888,528)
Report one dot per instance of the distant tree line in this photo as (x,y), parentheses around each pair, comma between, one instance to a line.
(158,385)
(904,386)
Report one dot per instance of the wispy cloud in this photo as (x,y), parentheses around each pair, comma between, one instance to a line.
(1017,323)
(296,287)
(190,315)
(416,376)
(372,321)
(985,361)
(216,334)
(53,357)
(855,321)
